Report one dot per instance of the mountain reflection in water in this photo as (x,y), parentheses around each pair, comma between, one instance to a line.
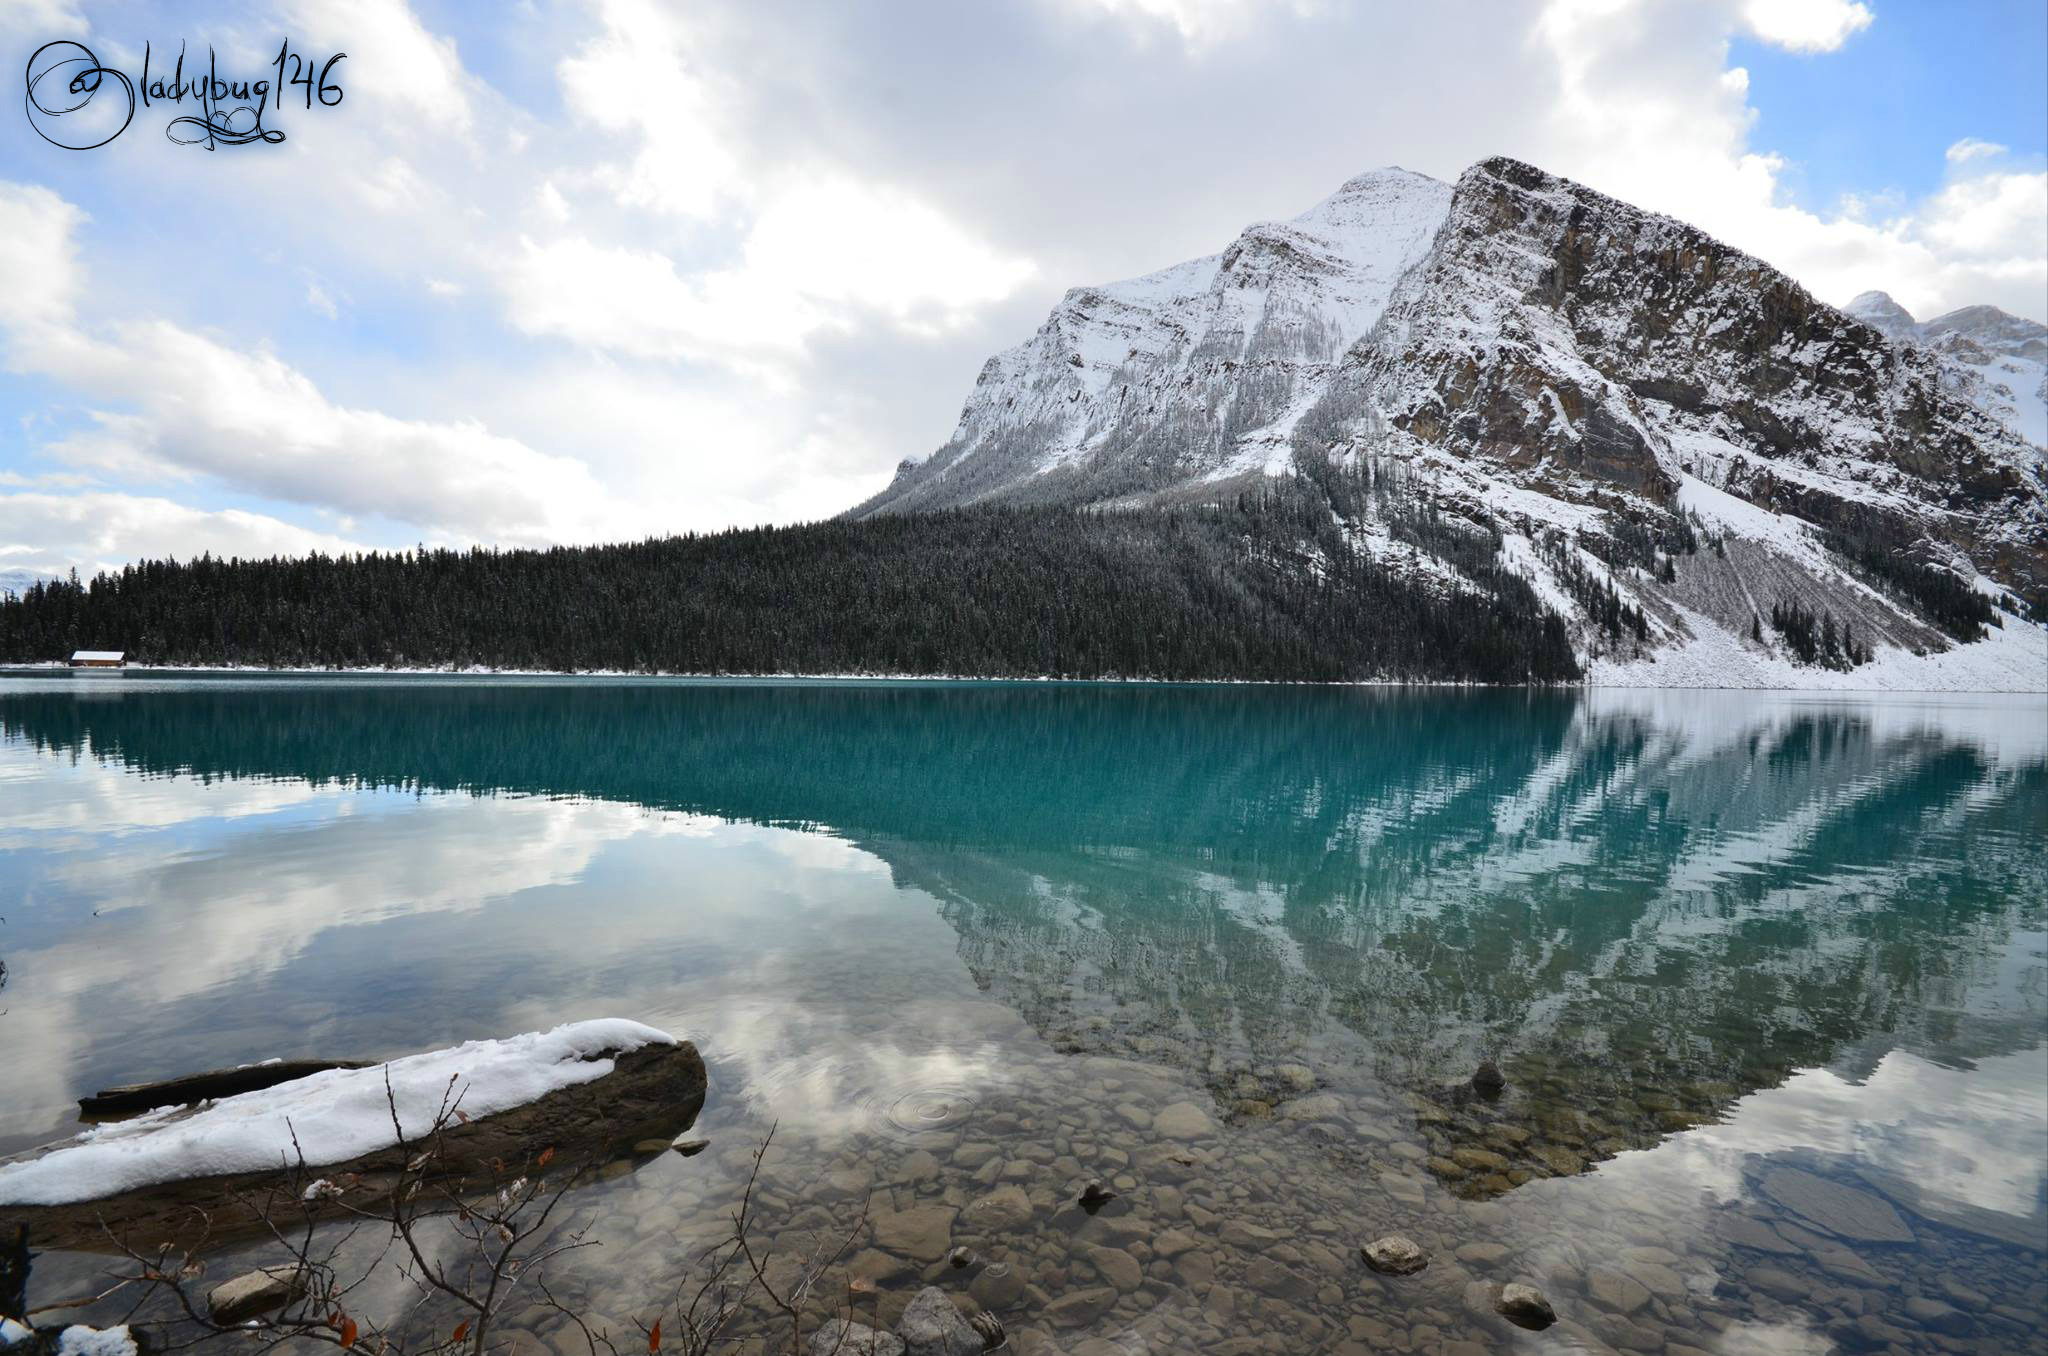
(1724,929)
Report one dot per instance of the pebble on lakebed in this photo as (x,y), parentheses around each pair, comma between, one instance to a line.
(1525,1307)
(1395,1255)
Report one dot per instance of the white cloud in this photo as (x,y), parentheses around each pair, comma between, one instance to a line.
(318,298)
(639,78)
(782,250)
(173,403)
(1647,112)
(1197,23)
(1806,25)
(712,451)
(99,529)
(409,76)
(1970,148)
(840,240)
(819,255)
(38,262)
(633,301)
(1997,221)
(55,18)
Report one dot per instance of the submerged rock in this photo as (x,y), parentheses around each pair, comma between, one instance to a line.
(933,1326)
(1525,1307)
(1395,1255)
(1612,1290)
(842,1337)
(1004,1210)
(1078,1308)
(255,1292)
(924,1232)
(1117,1267)
(1487,1080)
(1843,1211)
(997,1286)
(1183,1120)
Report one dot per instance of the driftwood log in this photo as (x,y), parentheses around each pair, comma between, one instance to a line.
(653,1093)
(132,1099)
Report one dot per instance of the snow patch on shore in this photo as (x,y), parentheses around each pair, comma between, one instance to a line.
(79,1340)
(2013,657)
(336,1116)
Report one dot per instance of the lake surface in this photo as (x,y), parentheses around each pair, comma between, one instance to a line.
(1766,975)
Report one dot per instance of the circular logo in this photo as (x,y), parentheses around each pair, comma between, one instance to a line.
(63,78)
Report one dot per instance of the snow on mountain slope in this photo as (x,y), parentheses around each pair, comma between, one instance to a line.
(2009,355)
(1591,354)
(13,581)
(1713,476)
(1166,378)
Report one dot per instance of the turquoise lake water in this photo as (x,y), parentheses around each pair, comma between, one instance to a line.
(1766,974)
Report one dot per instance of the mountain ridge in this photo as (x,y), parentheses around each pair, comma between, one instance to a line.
(2009,353)
(1587,390)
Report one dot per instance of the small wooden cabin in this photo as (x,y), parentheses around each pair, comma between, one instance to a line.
(99,659)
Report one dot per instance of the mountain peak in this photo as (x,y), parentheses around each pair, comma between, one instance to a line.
(1987,323)
(1520,173)
(1373,178)
(1204,363)
(1516,372)
(1878,310)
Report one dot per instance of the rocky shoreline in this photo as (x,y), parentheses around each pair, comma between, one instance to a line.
(1126,1215)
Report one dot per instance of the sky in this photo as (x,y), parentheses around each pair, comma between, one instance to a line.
(606,269)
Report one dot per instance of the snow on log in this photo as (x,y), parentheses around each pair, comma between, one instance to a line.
(130,1098)
(586,1089)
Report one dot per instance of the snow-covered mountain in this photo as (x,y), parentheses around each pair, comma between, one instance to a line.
(2008,352)
(1697,463)
(1198,369)
(16,580)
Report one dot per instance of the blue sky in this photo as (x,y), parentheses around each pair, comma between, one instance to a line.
(1875,117)
(578,270)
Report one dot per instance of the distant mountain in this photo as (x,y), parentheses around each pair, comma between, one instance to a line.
(2009,354)
(15,581)
(1713,476)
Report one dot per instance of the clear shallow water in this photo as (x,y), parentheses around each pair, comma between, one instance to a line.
(953,937)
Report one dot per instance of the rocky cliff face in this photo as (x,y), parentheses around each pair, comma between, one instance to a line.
(1698,463)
